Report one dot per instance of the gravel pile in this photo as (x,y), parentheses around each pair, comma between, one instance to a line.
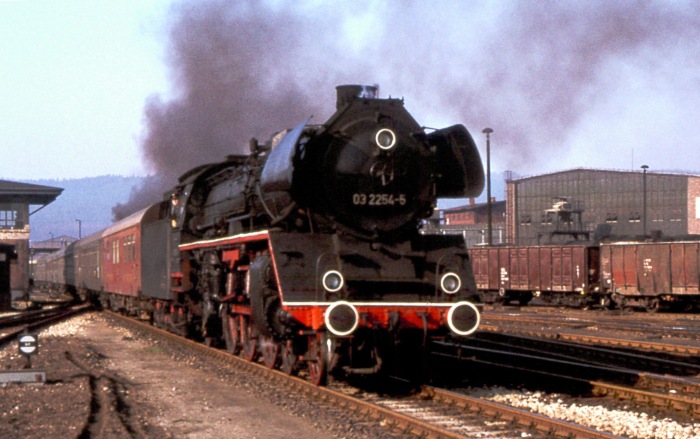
(623,421)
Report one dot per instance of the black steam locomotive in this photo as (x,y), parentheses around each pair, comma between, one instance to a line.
(307,251)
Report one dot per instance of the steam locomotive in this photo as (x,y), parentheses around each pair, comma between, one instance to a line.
(305,252)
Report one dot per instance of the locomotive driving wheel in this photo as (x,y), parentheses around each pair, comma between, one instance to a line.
(288,359)
(318,366)
(232,332)
(249,339)
(270,352)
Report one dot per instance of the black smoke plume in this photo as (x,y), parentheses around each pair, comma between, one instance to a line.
(233,68)
(531,70)
(537,68)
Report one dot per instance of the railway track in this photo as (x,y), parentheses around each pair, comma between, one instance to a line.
(678,338)
(14,324)
(586,369)
(434,413)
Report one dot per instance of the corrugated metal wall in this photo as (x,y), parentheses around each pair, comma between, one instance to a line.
(612,198)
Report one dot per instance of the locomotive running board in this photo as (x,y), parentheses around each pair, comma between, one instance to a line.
(225,241)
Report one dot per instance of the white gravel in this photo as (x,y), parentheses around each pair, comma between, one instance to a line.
(625,422)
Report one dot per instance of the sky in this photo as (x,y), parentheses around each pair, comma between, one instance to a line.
(132,87)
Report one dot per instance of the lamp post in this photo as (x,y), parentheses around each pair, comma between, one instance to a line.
(488,132)
(644,203)
(80,229)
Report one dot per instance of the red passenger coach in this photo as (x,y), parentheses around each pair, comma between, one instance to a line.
(124,257)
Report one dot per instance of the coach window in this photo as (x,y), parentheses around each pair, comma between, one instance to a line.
(130,248)
(115,251)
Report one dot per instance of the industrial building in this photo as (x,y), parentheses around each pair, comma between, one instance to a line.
(588,203)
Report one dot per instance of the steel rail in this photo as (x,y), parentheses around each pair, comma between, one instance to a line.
(48,318)
(669,401)
(665,347)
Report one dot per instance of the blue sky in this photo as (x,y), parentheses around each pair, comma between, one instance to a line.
(610,84)
(74,76)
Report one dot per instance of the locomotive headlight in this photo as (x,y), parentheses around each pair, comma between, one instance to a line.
(341,318)
(333,281)
(450,283)
(385,138)
(463,318)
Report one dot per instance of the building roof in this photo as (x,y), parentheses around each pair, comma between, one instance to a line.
(609,171)
(15,192)
(478,206)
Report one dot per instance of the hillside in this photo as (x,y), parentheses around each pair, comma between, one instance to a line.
(89,200)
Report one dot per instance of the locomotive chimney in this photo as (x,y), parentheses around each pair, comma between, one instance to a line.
(348,93)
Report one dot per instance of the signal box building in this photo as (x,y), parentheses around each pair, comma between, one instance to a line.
(586,204)
(18,202)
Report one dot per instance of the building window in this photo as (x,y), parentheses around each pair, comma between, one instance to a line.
(611,218)
(697,207)
(635,217)
(8,219)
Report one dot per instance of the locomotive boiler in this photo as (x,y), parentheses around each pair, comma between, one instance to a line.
(307,250)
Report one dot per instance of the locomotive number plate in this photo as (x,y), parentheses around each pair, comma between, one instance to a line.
(360,199)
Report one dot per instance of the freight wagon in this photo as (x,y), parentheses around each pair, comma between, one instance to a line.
(651,275)
(557,274)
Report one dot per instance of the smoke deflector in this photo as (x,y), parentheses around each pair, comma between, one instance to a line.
(461,173)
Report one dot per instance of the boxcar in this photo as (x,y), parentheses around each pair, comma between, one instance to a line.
(558,274)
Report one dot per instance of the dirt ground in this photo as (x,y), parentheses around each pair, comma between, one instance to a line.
(103,381)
